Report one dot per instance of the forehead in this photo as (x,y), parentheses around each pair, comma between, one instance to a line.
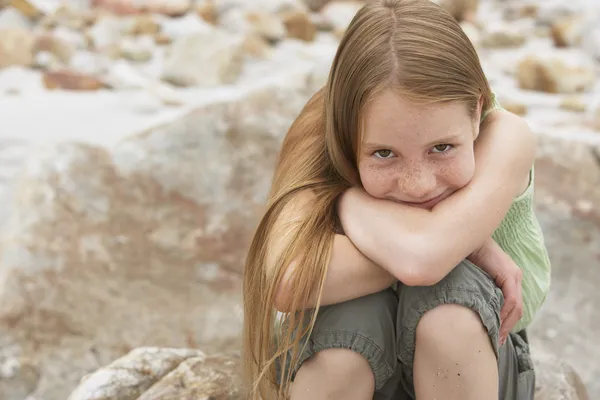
(388,115)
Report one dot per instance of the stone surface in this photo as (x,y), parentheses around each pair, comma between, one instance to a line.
(205,58)
(139,238)
(16,47)
(553,75)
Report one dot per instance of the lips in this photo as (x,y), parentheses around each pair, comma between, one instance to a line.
(427,204)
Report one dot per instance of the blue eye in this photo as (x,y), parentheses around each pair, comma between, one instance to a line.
(441,148)
(383,153)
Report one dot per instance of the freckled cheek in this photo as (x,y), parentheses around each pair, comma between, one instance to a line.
(376,180)
(459,174)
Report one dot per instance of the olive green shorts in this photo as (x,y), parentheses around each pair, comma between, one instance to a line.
(382,328)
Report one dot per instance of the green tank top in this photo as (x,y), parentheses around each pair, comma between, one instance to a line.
(521,237)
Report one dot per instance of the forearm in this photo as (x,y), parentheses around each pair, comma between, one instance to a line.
(432,243)
(350,275)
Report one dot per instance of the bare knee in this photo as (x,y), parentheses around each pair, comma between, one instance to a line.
(334,373)
(454,357)
(450,325)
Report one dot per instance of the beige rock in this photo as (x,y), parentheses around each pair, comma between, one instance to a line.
(461,10)
(299,25)
(16,47)
(555,379)
(553,75)
(27,8)
(516,11)
(141,238)
(144,25)
(137,49)
(573,103)
(596,120)
(567,32)
(204,59)
(11,18)
(171,8)
(255,46)
(162,39)
(18,378)
(61,49)
(71,80)
(106,32)
(208,12)
(267,25)
(514,107)
(503,38)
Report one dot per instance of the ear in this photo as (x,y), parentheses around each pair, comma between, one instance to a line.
(477,121)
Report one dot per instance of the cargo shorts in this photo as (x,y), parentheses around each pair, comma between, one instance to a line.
(382,328)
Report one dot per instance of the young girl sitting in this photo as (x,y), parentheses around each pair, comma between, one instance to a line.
(402,199)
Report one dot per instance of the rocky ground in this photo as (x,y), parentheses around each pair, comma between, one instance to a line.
(136,147)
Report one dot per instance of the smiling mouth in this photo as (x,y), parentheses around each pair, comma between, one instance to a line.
(426,204)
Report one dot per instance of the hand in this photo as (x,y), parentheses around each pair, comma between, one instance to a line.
(508,276)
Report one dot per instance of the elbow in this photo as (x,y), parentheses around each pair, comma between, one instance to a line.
(418,271)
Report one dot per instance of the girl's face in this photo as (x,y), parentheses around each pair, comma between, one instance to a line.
(414,154)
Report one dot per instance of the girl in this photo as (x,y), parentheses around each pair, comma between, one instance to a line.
(382,187)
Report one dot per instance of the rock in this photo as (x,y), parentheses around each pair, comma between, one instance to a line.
(71,80)
(11,18)
(204,59)
(256,47)
(143,25)
(596,120)
(27,8)
(140,237)
(162,39)
(141,368)
(267,25)
(269,6)
(184,26)
(555,379)
(16,47)
(567,31)
(341,13)
(95,64)
(18,378)
(516,11)
(573,103)
(105,32)
(299,25)
(47,61)
(138,50)
(173,8)
(67,17)
(503,37)
(514,107)
(62,50)
(591,41)
(461,10)
(208,12)
(553,75)
(75,39)
(172,373)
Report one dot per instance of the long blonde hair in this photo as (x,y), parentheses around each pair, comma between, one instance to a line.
(412,46)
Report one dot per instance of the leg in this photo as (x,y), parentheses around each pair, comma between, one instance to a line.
(351,352)
(454,358)
(327,374)
(451,328)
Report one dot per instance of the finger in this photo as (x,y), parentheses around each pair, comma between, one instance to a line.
(510,322)
(510,301)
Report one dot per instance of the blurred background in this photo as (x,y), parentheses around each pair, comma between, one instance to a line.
(137,142)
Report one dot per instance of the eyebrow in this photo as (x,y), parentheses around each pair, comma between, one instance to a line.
(446,139)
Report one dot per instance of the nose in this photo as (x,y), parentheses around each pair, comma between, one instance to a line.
(417,184)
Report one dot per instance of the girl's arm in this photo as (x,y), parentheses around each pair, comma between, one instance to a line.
(350,274)
(420,247)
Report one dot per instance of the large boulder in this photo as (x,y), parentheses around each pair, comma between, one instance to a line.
(140,245)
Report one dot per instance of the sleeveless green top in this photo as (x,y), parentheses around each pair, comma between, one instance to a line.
(521,237)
